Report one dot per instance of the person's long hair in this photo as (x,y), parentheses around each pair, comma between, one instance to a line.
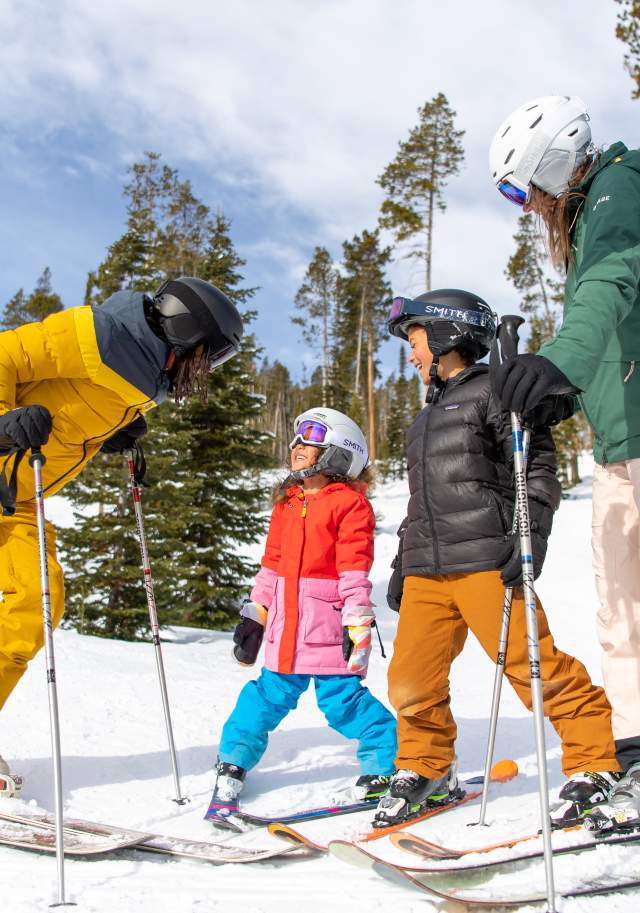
(362,484)
(191,375)
(559,215)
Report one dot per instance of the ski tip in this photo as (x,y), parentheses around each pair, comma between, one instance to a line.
(503,771)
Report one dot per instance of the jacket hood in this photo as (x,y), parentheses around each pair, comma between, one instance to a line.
(129,346)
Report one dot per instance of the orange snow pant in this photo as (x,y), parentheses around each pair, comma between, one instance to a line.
(21,629)
(435,615)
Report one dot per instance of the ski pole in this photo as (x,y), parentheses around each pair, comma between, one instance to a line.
(153,617)
(509,329)
(37,460)
(499,672)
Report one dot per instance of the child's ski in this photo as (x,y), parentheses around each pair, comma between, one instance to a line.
(232,817)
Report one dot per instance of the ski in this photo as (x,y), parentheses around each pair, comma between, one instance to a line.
(319,842)
(232,817)
(435,866)
(89,838)
(485,892)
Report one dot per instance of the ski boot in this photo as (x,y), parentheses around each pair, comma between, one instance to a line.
(580,794)
(369,787)
(622,809)
(410,794)
(10,785)
(224,801)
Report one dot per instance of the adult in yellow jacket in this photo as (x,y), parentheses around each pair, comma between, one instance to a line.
(68,385)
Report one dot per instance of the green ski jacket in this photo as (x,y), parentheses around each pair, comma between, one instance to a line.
(598,344)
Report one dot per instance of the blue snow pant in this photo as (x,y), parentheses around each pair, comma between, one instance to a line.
(348,706)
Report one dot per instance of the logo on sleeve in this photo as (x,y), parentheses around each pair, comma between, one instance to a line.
(601,200)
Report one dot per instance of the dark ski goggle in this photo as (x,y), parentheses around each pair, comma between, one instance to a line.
(312,432)
(514,194)
(222,355)
(403,309)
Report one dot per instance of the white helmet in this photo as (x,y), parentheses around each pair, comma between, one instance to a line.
(540,143)
(345,448)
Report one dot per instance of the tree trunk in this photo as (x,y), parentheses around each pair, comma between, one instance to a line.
(356,383)
(370,396)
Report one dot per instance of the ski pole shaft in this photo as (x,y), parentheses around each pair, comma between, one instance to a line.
(153,618)
(37,461)
(499,671)
(533,641)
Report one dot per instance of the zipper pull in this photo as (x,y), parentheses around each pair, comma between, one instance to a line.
(303,514)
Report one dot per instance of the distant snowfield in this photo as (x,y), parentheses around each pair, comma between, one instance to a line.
(116,767)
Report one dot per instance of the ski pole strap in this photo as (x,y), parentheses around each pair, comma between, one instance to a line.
(374,625)
(9,487)
(139,465)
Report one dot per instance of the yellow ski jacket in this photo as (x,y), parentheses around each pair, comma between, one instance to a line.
(95,370)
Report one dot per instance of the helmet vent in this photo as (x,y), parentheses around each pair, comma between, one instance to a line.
(532,108)
(573,132)
(509,156)
(536,122)
(505,132)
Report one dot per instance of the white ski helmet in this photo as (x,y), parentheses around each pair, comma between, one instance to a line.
(345,447)
(541,142)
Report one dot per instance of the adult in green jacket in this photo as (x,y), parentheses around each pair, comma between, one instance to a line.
(542,159)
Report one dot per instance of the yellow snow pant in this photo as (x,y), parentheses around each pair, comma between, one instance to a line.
(21,629)
(435,616)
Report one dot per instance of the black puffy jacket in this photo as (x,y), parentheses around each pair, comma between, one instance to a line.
(459,453)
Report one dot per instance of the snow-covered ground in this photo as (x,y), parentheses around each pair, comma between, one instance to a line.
(116,766)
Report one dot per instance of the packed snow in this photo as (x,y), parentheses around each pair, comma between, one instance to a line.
(116,767)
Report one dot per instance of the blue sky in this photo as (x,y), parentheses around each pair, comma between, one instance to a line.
(282,114)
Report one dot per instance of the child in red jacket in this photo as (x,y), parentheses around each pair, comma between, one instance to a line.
(311,600)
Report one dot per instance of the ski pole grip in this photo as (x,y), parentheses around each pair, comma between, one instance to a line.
(37,454)
(508,335)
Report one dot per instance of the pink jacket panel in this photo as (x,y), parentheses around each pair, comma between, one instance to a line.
(322,613)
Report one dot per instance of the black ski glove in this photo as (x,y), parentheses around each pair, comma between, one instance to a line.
(521,382)
(396,581)
(248,639)
(126,437)
(511,565)
(25,428)
(551,411)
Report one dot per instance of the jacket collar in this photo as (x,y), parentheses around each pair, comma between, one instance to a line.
(603,160)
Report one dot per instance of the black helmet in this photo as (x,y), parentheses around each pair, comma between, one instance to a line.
(190,311)
(452,318)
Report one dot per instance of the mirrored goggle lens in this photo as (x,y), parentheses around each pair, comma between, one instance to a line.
(221,356)
(397,308)
(513,193)
(312,432)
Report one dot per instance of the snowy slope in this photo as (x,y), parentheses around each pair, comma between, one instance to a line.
(116,767)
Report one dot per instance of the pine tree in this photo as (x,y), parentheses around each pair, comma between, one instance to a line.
(38,305)
(316,299)
(205,502)
(628,31)
(399,419)
(414,181)
(363,291)
(135,260)
(542,303)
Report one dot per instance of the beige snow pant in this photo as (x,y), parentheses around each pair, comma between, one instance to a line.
(616,564)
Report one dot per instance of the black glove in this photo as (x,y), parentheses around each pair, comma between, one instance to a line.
(396,581)
(248,639)
(551,411)
(511,564)
(521,382)
(25,428)
(396,585)
(126,437)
